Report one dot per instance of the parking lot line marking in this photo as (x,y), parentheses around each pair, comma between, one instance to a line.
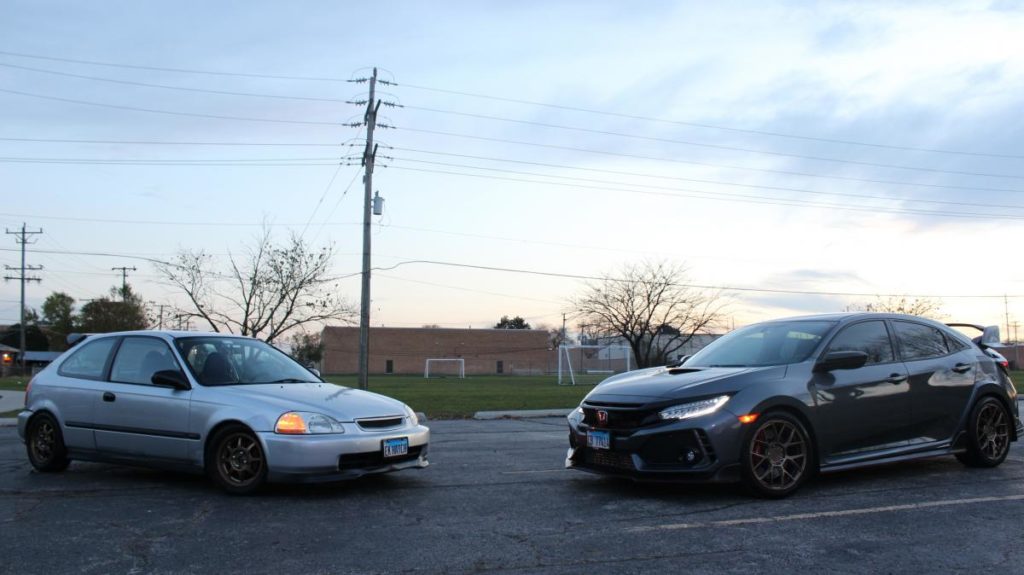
(824,514)
(533,471)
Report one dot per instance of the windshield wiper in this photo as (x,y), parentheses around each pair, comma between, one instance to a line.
(291,380)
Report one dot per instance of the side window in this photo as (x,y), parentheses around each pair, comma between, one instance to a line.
(88,361)
(919,341)
(139,358)
(871,337)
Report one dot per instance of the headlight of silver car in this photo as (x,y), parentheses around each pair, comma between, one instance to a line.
(306,423)
(694,409)
(413,419)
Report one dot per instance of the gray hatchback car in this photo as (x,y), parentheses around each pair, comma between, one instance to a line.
(234,407)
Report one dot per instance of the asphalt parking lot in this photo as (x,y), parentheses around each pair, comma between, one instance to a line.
(496,499)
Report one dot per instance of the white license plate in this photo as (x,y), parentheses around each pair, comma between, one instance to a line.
(396,447)
(599,440)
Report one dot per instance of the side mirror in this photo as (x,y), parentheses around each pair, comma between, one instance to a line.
(841,360)
(171,378)
(990,336)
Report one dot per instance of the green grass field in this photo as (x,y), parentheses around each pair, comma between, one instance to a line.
(444,398)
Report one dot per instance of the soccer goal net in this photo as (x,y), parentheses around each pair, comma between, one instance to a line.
(589,364)
(445,367)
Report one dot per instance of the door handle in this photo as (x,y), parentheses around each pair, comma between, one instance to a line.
(962,367)
(107,396)
(896,378)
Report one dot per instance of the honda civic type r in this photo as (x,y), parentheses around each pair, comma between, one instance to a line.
(773,403)
(234,407)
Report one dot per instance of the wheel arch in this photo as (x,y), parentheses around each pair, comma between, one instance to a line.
(213,431)
(792,407)
(994,391)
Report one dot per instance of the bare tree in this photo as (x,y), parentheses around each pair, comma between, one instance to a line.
(264,292)
(920,306)
(650,306)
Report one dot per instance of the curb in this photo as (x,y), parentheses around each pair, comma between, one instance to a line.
(522,414)
(8,422)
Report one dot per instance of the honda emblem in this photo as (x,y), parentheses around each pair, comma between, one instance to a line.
(602,418)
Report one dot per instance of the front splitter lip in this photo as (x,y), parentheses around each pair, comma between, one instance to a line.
(717,473)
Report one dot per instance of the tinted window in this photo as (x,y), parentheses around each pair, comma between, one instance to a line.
(89,360)
(919,341)
(870,337)
(139,358)
(763,344)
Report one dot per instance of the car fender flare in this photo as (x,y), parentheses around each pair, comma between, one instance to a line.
(988,388)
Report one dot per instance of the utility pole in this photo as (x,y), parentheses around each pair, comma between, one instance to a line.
(1006,310)
(21,237)
(160,316)
(124,279)
(369,155)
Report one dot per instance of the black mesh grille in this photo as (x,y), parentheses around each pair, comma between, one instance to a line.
(611,459)
(375,459)
(380,423)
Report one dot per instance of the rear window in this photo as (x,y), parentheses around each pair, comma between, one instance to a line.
(88,361)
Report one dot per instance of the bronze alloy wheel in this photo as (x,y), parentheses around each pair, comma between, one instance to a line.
(988,434)
(45,444)
(993,431)
(777,456)
(238,463)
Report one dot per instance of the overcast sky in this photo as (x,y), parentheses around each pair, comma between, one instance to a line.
(833,147)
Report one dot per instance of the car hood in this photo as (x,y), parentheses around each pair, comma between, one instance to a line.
(674,383)
(341,403)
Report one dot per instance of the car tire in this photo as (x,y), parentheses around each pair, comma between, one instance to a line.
(777,456)
(45,444)
(235,460)
(988,434)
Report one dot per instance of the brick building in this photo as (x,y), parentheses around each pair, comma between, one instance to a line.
(405,350)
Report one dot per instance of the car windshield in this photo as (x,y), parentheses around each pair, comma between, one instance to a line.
(763,344)
(235,360)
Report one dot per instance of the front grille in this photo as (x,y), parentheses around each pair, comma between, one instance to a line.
(611,459)
(375,459)
(380,423)
(619,418)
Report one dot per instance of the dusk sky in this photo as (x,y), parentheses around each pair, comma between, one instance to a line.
(786,153)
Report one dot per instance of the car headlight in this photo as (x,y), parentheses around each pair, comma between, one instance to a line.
(413,420)
(306,423)
(694,409)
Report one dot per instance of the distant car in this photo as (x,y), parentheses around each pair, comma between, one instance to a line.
(234,407)
(773,403)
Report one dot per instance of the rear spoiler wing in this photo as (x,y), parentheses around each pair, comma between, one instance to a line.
(989,334)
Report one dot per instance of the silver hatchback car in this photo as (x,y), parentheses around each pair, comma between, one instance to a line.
(234,407)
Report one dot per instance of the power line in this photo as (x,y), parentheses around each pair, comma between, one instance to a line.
(487,97)
(169,112)
(695,286)
(709,126)
(706,164)
(169,87)
(178,70)
(721,147)
(731,197)
(695,180)
(167,143)
(500,140)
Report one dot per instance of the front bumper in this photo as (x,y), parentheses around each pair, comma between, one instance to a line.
(699,449)
(333,457)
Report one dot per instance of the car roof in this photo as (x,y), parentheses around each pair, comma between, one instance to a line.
(845,317)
